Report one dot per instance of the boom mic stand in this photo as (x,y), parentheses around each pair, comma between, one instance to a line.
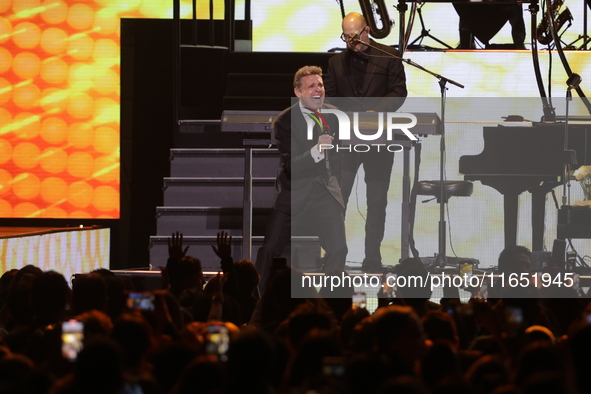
(569,155)
(441,259)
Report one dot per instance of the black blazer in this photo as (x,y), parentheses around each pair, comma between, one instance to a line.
(384,78)
(297,170)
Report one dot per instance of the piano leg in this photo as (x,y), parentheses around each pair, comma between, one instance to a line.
(538,213)
(510,207)
(537,219)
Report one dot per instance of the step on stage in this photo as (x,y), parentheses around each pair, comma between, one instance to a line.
(67,250)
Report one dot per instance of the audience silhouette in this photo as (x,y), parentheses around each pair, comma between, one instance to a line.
(219,336)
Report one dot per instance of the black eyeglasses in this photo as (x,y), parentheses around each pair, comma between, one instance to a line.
(347,38)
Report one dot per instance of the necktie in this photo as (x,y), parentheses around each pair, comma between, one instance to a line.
(321,122)
(319,119)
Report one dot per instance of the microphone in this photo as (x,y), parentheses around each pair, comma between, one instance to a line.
(326,152)
(573,81)
(354,38)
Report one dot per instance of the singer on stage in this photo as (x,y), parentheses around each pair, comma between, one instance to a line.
(306,189)
(359,72)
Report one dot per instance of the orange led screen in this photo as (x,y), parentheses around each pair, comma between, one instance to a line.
(59,103)
(59,110)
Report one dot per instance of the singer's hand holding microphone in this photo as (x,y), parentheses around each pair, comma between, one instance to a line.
(324,139)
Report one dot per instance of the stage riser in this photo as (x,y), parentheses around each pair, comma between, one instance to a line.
(210,192)
(307,251)
(222,162)
(208,221)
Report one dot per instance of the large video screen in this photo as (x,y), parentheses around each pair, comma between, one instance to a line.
(59,104)
(60,89)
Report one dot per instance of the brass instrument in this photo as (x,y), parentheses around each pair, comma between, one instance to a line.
(368,12)
(544,34)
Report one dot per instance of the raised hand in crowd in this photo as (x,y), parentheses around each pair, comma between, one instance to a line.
(175,246)
(175,253)
(224,245)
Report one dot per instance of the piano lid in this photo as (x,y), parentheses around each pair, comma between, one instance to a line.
(526,151)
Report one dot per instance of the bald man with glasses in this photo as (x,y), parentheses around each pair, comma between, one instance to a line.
(361,72)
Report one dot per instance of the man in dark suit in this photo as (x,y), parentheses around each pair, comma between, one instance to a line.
(356,74)
(306,189)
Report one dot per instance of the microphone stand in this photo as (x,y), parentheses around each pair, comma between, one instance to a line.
(441,260)
(569,155)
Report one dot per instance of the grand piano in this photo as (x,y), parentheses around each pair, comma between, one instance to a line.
(518,159)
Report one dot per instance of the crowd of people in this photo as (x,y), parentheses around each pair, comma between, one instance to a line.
(100,335)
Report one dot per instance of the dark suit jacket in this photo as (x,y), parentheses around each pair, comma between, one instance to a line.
(384,78)
(298,173)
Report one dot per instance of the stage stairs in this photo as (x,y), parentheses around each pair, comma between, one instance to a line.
(204,194)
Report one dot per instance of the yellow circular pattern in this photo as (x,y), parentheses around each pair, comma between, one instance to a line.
(105,198)
(24,5)
(5,5)
(25,210)
(54,130)
(5,60)
(80,105)
(26,96)
(26,35)
(5,182)
(25,155)
(80,135)
(54,71)
(5,150)
(54,40)
(106,82)
(26,125)
(78,76)
(80,215)
(54,213)
(105,49)
(5,91)
(54,190)
(80,165)
(54,11)
(5,208)
(106,169)
(54,100)
(5,121)
(26,186)
(5,30)
(80,16)
(54,160)
(106,22)
(80,194)
(26,65)
(106,140)
(106,110)
(80,46)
